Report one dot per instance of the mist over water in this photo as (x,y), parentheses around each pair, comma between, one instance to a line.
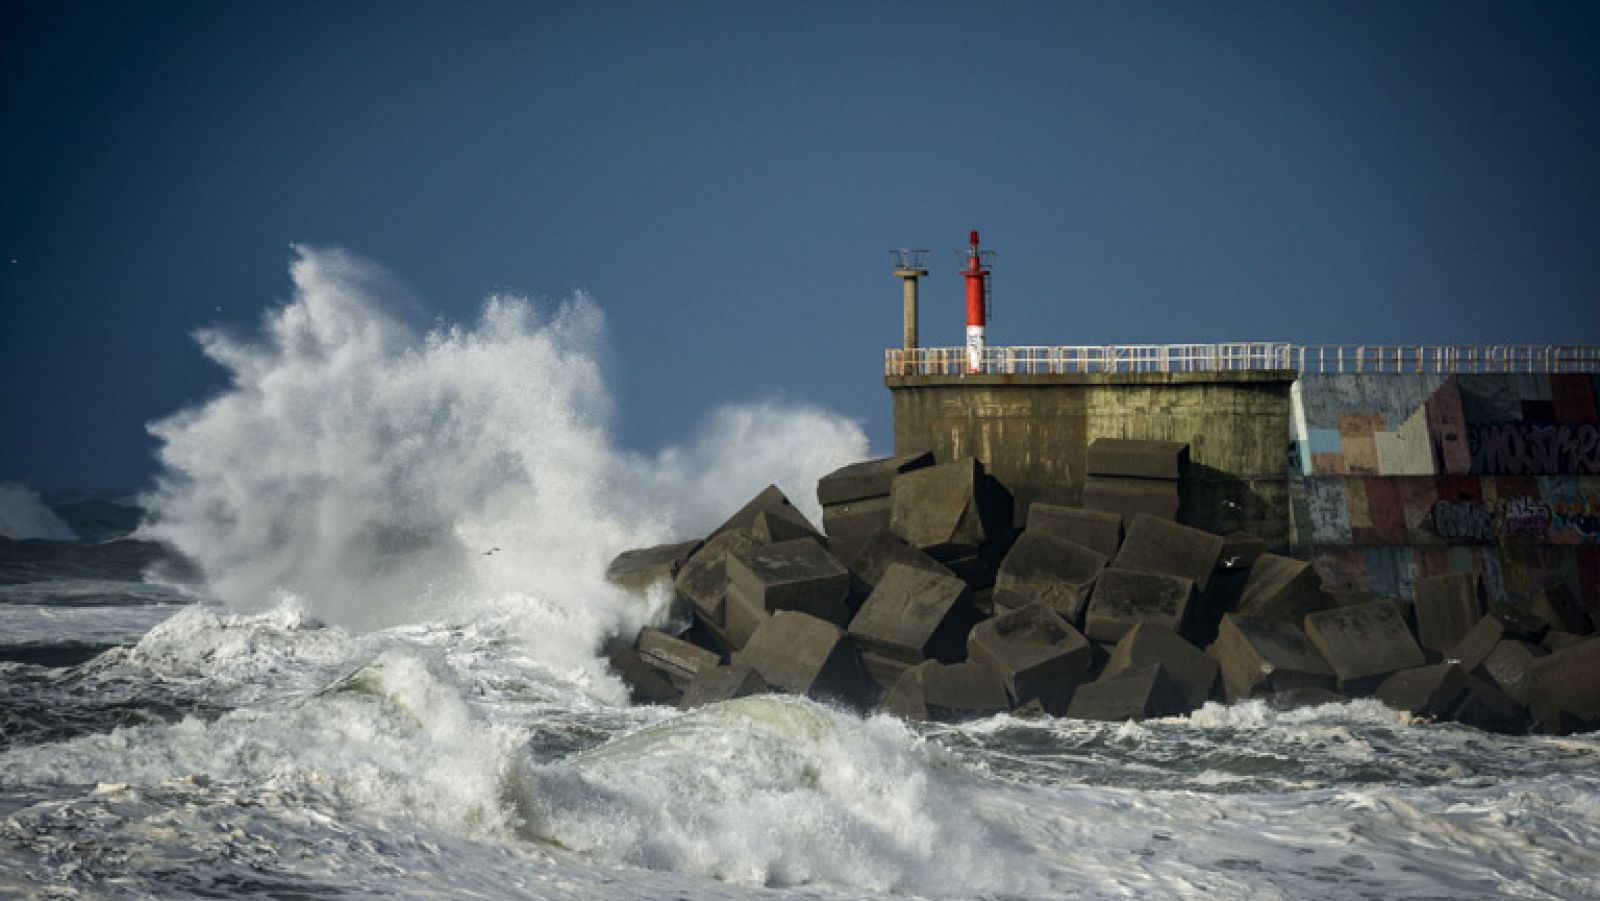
(23,515)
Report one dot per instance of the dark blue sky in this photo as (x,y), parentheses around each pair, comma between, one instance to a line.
(726,178)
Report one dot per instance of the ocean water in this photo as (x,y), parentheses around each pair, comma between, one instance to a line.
(383,675)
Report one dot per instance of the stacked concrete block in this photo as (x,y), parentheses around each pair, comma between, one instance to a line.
(1158,546)
(950,510)
(1096,530)
(1447,606)
(947,692)
(1124,598)
(639,570)
(790,575)
(1259,658)
(872,559)
(646,684)
(1192,673)
(769,517)
(1511,666)
(912,615)
(1038,655)
(1443,691)
(1129,478)
(722,683)
(1281,589)
(801,654)
(1561,610)
(856,503)
(1135,693)
(1565,695)
(679,660)
(703,581)
(1364,645)
(1041,567)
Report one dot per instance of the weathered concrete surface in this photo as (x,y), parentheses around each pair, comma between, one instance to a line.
(1138,459)
(866,479)
(1363,644)
(722,683)
(1096,530)
(914,614)
(1282,589)
(946,692)
(1157,546)
(801,654)
(1565,696)
(1470,652)
(781,523)
(1448,606)
(638,569)
(1444,691)
(950,509)
(1123,598)
(1559,607)
(851,525)
(1511,667)
(884,549)
(1042,567)
(1131,498)
(1519,621)
(703,579)
(1265,658)
(1037,654)
(1133,694)
(742,616)
(884,671)
(1193,674)
(1037,430)
(678,659)
(646,684)
(792,575)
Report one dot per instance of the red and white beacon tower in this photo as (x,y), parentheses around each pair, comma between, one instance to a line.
(977,275)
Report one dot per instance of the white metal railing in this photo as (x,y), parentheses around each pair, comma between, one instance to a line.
(1314,358)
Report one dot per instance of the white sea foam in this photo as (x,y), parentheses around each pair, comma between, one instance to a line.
(24,515)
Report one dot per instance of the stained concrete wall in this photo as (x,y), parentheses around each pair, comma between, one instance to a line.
(1033,433)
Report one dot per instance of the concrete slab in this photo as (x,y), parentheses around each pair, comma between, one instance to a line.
(1133,694)
(1470,652)
(742,616)
(703,579)
(1565,696)
(1155,545)
(801,654)
(1195,676)
(1433,692)
(1096,530)
(1282,589)
(1448,606)
(1138,459)
(868,478)
(1364,645)
(637,570)
(775,503)
(851,525)
(1131,498)
(721,683)
(946,692)
(1123,598)
(646,684)
(1037,654)
(943,509)
(678,659)
(1043,567)
(883,671)
(1258,658)
(1511,665)
(792,575)
(914,614)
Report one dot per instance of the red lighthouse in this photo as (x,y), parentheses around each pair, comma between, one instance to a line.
(977,275)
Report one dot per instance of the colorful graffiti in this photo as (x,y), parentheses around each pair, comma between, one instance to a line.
(1533,448)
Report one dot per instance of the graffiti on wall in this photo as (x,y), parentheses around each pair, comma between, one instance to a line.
(1517,519)
(1535,448)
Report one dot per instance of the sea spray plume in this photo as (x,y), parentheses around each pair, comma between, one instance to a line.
(368,471)
(23,515)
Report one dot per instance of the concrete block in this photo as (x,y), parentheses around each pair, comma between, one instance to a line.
(1519,621)
(883,671)
(1364,645)
(1258,658)
(646,684)
(1155,545)
(782,521)
(1138,459)
(914,614)
(721,683)
(868,478)
(870,561)
(1560,641)
(1448,606)
(1282,589)
(801,654)
(948,510)
(1037,654)
(742,616)
(1490,709)
(1096,530)
(1565,695)
(678,659)
(1133,694)
(947,692)
(1192,673)
(1559,607)
(1470,652)
(1433,691)
(851,525)
(972,569)
(703,578)
(1131,498)
(637,570)
(1123,598)
(1043,568)
(792,575)
(1510,666)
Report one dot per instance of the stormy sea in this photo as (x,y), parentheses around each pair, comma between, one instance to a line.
(352,643)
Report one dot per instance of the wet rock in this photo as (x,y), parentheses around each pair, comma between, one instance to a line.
(884,549)
(1132,498)
(1139,459)
(867,479)
(914,614)
(637,570)
(1123,598)
(1444,691)
(1364,644)
(1282,589)
(1155,545)
(703,579)
(1044,568)
(946,510)
(721,683)
(679,660)
(1137,693)
(1195,676)
(1096,530)
(1559,607)
(791,575)
(801,654)
(1510,666)
(1266,657)
(1448,606)
(1565,696)
(947,692)
(646,684)
(853,524)
(770,516)
(1036,653)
